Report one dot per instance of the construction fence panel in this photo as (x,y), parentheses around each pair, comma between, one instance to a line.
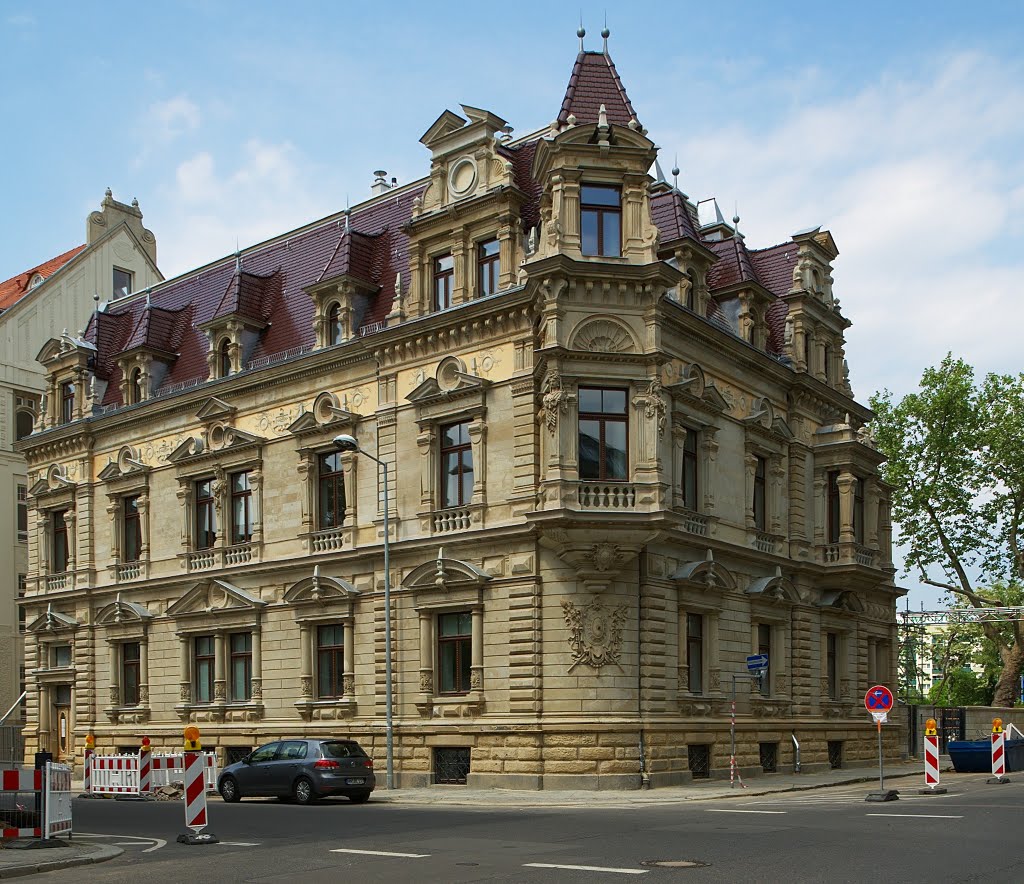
(57,807)
(20,795)
(115,774)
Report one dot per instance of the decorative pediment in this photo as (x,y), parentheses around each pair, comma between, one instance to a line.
(214,409)
(212,597)
(603,335)
(320,588)
(842,600)
(128,463)
(694,387)
(65,344)
(52,621)
(707,573)
(191,447)
(762,417)
(56,479)
(119,611)
(444,573)
(450,379)
(775,588)
(445,124)
(226,438)
(327,412)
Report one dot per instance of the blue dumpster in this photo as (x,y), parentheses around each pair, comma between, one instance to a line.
(975,756)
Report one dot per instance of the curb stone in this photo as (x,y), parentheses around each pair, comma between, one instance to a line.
(97,854)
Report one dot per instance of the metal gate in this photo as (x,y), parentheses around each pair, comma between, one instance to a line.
(952,725)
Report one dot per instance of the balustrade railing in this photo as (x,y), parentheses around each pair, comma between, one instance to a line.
(328,540)
(606,495)
(129,571)
(695,523)
(452,520)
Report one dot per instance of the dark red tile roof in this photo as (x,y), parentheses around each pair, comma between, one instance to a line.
(593,82)
(354,256)
(251,295)
(522,163)
(14,289)
(672,218)
(775,269)
(733,265)
(159,329)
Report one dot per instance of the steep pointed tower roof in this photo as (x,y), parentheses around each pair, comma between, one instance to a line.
(593,82)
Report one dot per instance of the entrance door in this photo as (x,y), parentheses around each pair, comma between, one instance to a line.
(60,722)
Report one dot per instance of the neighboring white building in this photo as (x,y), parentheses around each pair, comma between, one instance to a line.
(56,296)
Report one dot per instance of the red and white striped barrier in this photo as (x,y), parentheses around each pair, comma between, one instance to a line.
(87,775)
(51,792)
(57,803)
(195,792)
(145,773)
(999,755)
(931,761)
(115,775)
(21,781)
(165,766)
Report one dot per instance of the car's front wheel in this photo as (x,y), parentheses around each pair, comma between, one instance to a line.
(229,790)
(303,791)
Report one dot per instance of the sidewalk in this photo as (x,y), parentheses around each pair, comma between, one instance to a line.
(15,863)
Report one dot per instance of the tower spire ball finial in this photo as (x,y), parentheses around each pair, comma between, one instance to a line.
(581,31)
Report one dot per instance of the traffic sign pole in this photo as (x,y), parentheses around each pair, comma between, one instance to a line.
(879,701)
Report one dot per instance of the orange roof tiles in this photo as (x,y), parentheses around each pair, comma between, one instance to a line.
(15,288)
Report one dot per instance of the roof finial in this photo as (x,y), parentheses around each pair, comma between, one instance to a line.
(238,257)
(602,117)
(581,32)
(736,221)
(605,33)
(148,302)
(675,172)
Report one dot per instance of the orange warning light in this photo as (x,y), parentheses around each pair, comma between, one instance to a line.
(997,725)
(90,741)
(145,744)
(192,739)
(929,728)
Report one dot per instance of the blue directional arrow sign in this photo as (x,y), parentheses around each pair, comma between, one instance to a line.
(757,663)
(878,699)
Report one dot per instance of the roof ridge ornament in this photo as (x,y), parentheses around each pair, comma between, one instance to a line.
(581,32)
(605,34)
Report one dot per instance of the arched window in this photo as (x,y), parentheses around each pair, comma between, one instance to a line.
(23,423)
(225,358)
(135,386)
(334,324)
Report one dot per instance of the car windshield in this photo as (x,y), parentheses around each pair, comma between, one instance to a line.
(339,749)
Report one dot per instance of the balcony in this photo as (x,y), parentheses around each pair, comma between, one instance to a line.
(458,519)
(328,540)
(848,554)
(56,582)
(239,554)
(695,523)
(128,571)
(202,560)
(614,496)
(764,542)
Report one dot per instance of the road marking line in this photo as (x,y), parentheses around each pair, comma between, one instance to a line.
(923,816)
(747,811)
(157,842)
(240,843)
(585,868)
(380,853)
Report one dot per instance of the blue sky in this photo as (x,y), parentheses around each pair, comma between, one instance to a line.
(899,127)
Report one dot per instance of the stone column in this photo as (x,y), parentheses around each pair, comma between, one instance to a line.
(846,482)
(306,468)
(220,667)
(113,658)
(44,717)
(349,460)
(185,668)
(114,512)
(144,671)
(256,682)
(682,664)
(426,653)
(425,441)
(306,660)
(348,677)
(712,661)
(476,668)
(776,475)
(477,437)
(709,447)
(256,499)
(871,514)
(184,495)
(750,467)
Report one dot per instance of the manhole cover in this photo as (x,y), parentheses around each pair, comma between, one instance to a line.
(675,863)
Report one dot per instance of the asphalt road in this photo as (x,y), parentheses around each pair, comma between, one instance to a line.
(833,835)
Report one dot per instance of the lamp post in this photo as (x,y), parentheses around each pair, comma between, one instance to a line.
(345,442)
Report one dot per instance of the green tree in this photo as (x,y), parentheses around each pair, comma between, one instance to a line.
(955,454)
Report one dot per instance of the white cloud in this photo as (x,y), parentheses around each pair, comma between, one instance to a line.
(919,179)
(21,20)
(173,117)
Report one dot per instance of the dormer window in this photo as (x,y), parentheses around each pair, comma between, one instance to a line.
(601,220)
(67,402)
(135,386)
(36,280)
(224,357)
(334,328)
(488,267)
(444,277)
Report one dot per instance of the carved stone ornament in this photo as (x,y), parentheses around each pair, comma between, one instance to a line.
(605,556)
(595,633)
(554,399)
(652,403)
(306,686)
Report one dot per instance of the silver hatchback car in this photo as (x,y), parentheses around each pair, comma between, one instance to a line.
(304,770)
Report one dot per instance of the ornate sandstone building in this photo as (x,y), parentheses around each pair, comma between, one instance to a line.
(622,450)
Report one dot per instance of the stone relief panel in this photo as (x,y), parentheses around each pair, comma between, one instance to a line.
(595,633)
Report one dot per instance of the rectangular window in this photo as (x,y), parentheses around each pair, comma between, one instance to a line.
(603,429)
(241,508)
(67,402)
(833,507)
(601,220)
(132,527)
(22,588)
(832,664)
(61,656)
(760,516)
(858,511)
(59,530)
(695,652)
(454,651)
(241,666)
(330,661)
(206,524)
(122,283)
(330,491)
(690,469)
(764,646)
(444,277)
(130,657)
(488,264)
(456,465)
(22,514)
(203,660)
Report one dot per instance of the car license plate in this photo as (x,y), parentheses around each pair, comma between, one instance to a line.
(355,781)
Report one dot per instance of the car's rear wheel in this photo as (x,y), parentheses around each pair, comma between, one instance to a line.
(359,797)
(303,791)
(229,790)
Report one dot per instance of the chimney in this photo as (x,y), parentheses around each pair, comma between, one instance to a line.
(380,183)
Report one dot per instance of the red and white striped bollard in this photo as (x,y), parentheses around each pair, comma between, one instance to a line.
(195,791)
(998,754)
(931,760)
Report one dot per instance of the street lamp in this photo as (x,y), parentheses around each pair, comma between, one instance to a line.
(345,442)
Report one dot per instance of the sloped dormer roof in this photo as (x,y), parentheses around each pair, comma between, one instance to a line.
(593,82)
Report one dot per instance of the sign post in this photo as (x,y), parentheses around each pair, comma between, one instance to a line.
(879,701)
(757,666)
